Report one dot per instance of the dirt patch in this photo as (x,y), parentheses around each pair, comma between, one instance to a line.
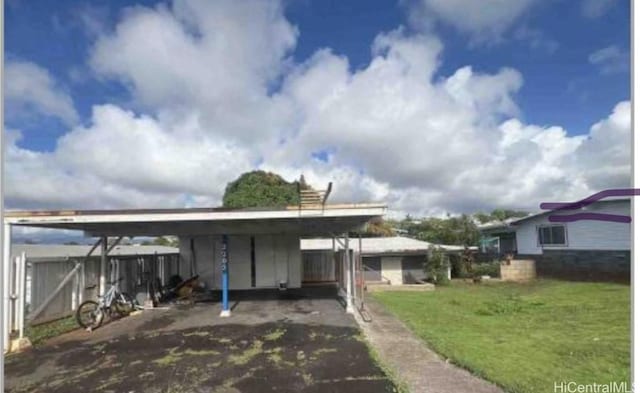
(231,357)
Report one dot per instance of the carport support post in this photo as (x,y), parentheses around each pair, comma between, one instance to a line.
(6,262)
(225,278)
(347,260)
(103,265)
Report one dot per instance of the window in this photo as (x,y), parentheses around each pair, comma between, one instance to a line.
(553,235)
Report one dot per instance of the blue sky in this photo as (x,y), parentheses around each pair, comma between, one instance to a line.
(561,85)
(542,73)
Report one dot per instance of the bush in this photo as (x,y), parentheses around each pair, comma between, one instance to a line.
(491,269)
(436,266)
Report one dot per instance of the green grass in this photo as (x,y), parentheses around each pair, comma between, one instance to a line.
(40,333)
(525,336)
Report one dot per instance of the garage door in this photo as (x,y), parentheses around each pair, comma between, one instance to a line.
(372,268)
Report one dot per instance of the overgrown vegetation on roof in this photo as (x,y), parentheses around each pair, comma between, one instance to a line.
(261,189)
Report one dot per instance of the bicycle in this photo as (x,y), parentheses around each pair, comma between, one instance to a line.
(90,314)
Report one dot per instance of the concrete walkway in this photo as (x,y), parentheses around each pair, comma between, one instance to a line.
(410,359)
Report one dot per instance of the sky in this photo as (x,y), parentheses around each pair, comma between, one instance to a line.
(432,106)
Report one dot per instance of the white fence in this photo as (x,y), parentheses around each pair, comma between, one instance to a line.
(40,290)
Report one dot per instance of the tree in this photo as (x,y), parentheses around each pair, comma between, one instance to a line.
(451,230)
(168,241)
(261,189)
(498,215)
(503,214)
(378,227)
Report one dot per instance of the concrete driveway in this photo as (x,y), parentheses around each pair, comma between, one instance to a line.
(270,343)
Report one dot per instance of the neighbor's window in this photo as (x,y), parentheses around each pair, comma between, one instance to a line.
(552,235)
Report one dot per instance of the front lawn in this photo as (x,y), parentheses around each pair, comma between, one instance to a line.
(525,337)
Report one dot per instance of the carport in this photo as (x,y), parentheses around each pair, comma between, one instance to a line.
(241,242)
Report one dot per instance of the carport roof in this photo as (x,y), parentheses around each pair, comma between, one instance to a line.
(307,221)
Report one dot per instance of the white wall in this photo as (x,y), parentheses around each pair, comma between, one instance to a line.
(581,235)
(277,258)
(391,267)
(239,261)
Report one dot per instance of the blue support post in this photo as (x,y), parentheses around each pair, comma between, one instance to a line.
(225,278)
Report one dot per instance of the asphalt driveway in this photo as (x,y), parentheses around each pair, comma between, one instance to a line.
(291,344)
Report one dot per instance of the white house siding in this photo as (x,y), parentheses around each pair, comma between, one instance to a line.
(277,258)
(581,235)
(392,269)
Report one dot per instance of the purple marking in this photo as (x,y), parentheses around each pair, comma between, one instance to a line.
(590,216)
(614,192)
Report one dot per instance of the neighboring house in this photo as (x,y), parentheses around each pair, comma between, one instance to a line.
(498,237)
(585,249)
(394,260)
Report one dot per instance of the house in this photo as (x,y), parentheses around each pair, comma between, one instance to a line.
(581,249)
(393,260)
(498,237)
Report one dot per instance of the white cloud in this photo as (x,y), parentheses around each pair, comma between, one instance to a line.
(483,20)
(603,160)
(212,57)
(219,95)
(595,8)
(610,59)
(123,160)
(31,90)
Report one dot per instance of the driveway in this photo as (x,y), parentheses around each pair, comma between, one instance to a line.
(290,344)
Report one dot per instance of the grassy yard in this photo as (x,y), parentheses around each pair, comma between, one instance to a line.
(525,336)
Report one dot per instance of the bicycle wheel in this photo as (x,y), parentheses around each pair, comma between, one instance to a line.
(124,304)
(89,315)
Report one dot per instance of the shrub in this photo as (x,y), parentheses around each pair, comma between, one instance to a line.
(436,266)
(491,269)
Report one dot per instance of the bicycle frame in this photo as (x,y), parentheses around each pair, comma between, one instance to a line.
(109,297)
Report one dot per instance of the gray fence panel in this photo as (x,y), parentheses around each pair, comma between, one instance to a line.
(45,275)
(45,278)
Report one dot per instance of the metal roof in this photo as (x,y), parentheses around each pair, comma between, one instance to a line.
(310,221)
(379,245)
(498,226)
